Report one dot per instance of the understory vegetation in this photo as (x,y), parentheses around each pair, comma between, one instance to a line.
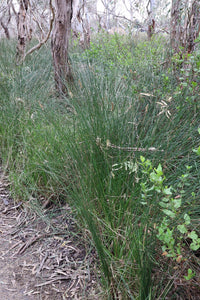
(123,149)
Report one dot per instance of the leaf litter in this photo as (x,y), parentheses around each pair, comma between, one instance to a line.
(44,257)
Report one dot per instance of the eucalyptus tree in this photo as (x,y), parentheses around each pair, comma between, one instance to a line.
(193,25)
(5,17)
(185,24)
(32,19)
(151,18)
(109,13)
(22,29)
(81,22)
(176,29)
(60,44)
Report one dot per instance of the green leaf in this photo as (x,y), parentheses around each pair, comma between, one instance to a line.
(193,235)
(142,158)
(188,167)
(169,213)
(182,228)
(165,199)
(194,83)
(153,176)
(159,170)
(167,191)
(197,151)
(156,178)
(177,203)
(195,246)
(187,219)
(164,205)
(190,274)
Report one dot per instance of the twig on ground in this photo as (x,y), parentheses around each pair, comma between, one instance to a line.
(30,242)
(53,280)
(42,263)
(11,208)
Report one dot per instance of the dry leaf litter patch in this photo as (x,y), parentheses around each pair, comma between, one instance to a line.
(43,257)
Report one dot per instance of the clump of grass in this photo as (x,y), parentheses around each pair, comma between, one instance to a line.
(108,115)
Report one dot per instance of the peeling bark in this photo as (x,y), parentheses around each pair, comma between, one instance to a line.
(177,34)
(5,21)
(185,24)
(151,29)
(152,23)
(81,23)
(21,27)
(59,44)
(194,26)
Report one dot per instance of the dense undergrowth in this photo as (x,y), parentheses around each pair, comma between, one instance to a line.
(120,149)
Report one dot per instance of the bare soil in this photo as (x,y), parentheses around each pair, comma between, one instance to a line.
(43,257)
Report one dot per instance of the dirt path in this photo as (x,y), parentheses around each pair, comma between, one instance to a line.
(11,286)
(42,257)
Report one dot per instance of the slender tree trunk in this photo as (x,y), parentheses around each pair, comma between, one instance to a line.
(4,22)
(152,23)
(81,23)
(60,42)
(21,28)
(151,29)
(6,31)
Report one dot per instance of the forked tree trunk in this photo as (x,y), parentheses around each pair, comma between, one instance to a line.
(60,42)
(21,28)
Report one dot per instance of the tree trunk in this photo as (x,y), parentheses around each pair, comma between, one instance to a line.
(6,31)
(194,25)
(5,21)
(185,24)
(59,44)
(81,23)
(21,28)
(151,29)
(151,17)
(175,25)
